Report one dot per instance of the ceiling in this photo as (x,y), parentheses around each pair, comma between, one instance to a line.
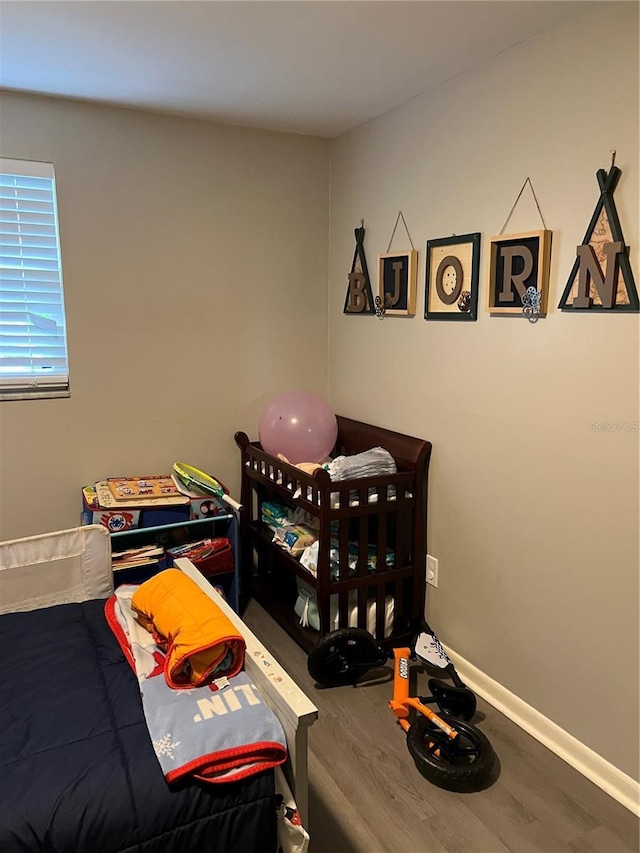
(302,66)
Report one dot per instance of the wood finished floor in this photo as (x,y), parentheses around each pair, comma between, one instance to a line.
(366,795)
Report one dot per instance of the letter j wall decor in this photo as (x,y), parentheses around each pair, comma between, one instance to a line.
(397,282)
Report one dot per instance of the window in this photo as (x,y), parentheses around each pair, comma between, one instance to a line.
(33,340)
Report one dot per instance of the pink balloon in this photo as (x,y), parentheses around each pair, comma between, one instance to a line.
(299,425)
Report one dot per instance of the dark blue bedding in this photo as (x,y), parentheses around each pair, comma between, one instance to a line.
(78,773)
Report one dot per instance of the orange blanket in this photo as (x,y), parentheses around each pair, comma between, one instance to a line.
(199,640)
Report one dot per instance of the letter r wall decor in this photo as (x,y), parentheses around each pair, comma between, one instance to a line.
(518,262)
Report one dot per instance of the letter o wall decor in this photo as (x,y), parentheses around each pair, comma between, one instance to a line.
(451,278)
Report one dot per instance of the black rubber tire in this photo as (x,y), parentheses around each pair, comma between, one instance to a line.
(343,656)
(463,764)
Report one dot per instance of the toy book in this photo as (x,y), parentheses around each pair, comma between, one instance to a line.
(132,558)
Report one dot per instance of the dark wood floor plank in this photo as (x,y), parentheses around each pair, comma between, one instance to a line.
(367,796)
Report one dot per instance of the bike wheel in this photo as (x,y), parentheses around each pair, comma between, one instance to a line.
(342,656)
(462,763)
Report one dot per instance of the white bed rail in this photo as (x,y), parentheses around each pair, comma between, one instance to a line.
(55,568)
(293,708)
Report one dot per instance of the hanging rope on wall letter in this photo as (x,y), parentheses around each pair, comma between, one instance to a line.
(527,181)
(398,218)
(531,299)
(380,308)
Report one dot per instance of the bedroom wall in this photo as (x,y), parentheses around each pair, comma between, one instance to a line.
(195,273)
(533,512)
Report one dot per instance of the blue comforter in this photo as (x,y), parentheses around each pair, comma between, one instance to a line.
(78,773)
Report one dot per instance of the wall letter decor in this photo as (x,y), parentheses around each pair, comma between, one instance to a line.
(397,282)
(359,299)
(397,278)
(451,280)
(601,278)
(518,262)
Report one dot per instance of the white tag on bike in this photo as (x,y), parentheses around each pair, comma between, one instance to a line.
(428,648)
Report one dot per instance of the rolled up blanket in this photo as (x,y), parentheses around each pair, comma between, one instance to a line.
(218,732)
(199,640)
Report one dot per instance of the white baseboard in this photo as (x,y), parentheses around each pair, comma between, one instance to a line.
(601,772)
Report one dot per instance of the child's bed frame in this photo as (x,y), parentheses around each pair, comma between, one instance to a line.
(75,565)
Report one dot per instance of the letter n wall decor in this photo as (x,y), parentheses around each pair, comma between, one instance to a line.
(601,278)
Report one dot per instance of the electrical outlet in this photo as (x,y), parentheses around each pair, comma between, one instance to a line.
(432,571)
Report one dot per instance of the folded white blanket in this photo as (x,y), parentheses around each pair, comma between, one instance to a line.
(376,462)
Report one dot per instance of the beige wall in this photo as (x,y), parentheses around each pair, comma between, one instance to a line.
(533,515)
(195,273)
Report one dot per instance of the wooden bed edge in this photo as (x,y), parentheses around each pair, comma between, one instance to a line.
(293,708)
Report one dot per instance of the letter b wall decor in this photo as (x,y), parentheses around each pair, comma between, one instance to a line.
(359,299)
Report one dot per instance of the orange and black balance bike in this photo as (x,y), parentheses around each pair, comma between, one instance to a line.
(447,749)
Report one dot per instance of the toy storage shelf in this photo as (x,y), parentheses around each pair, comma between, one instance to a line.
(380,522)
(179,533)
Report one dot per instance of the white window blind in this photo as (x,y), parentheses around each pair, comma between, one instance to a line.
(33,340)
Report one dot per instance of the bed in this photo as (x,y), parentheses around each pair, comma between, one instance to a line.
(77,768)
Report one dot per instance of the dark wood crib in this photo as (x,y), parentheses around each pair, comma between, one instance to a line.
(372,539)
